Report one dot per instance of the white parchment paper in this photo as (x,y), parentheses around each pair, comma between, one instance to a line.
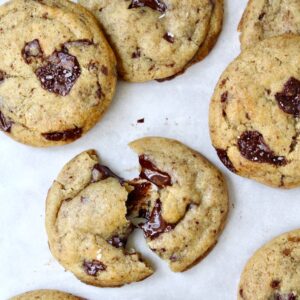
(176,109)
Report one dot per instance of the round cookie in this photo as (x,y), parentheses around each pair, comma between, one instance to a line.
(58,77)
(46,295)
(272,273)
(264,18)
(254,113)
(157,39)
(183,199)
(87,226)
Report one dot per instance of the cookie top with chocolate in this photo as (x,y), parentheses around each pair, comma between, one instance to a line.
(87,226)
(46,295)
(58,77)
(156,39)
(272,272)
(182,198)
(254,113)
(264,18)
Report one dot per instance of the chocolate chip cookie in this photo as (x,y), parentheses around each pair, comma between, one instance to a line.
(87,226)
(58,77)
(273,271)
(254,113)
(157,39)
(182,198)
(46,295)
(264,18)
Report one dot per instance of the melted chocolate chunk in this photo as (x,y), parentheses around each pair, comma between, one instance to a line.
(225,160)
(252,146)
(157,5)
(151,173)
(136,54)
(136,197)
(117,241)
(104,70)
(289,98)
(5,123)
(59,73)
(289,296)
(70,134)
(224,97)
(155,224)
(169,37)
(100,172)
(2,76)
(31,51)
(261,16)
(93,267)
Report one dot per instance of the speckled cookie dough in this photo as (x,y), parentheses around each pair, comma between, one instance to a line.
(87,226)
(264,18)
(46,295)
(183,199)
(254,113)
(272,273)
(57,77)
(157,39)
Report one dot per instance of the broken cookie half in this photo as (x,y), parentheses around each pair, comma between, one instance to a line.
(179,200)
(87,226)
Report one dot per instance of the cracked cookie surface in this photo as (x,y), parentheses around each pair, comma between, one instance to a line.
(264,18)
(272,272)
(254,113)
(157,39)
(87,226)
(46,295)
(58,77)
(185,208)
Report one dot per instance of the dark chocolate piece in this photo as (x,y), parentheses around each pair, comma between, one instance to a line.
(59,73)
(225,160)
(156,225)
(169,37)
(5,123)
(153,174)
(101,172)
(253,147)
(157,5)
(70,134)
(289,98)
(93,267)
(31,51)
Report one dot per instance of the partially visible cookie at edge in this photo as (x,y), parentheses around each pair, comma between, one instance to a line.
(264,19)
(158,39)
(58,77)
(87,226)
(183,199)
(46,295)
(272,272)
(254,113)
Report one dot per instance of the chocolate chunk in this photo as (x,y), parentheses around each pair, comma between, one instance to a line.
(70,134)
(289,296)
(59,73)
(31,51)
(140,120)
(169,37)
(224,97)
(100,172)
(275,284)
(157,5)
(117,241)
(153,174)
(225,160)
(104,70)
(156,225)
(289,98)
(99,92)
(261,16)
(5,123)
(93,267)
(2,76)
(252,146)
(136,197)
(136,54)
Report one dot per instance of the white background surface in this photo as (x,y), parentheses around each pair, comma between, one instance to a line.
(176,109)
